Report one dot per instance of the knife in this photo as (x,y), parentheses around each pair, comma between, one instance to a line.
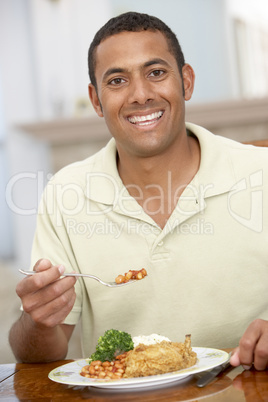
(210,375)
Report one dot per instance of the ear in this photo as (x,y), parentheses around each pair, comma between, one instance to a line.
(93,96)
(188,76)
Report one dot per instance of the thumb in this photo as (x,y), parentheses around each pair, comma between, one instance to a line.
(235,360)
(42,265)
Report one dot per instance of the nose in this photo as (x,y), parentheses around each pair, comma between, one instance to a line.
(140,91)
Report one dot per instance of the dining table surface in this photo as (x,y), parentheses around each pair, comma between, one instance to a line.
(30,382)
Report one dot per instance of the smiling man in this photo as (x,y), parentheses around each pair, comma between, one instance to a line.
(140,91)
(148,197)
(141,97)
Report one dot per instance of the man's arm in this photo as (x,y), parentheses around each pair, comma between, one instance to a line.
(39,335)
(253,347)
(33,344)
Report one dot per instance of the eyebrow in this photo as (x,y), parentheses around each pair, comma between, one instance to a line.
(115,70)
(155,61)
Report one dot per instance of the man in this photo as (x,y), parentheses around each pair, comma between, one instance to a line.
(163,195)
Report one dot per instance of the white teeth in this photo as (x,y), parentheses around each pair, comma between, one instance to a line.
(145,119)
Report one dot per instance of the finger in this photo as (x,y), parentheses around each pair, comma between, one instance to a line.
(61,313)
(235,360)
(48,293)
(54,312)
(261,352)
(248,343)
(38,281)
(56,290)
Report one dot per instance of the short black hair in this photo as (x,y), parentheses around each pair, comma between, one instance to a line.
(133,22)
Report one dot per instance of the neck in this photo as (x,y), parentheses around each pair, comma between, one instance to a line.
(151,180)
(181,161)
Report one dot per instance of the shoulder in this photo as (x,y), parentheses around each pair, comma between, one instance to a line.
(77,172)
(242,156)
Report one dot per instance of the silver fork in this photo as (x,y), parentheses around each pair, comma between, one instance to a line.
(109,284)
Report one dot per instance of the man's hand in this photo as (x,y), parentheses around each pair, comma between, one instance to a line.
(253,347)
(39,335)
(44,297)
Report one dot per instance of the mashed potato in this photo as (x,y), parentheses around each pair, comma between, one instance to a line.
(149,339)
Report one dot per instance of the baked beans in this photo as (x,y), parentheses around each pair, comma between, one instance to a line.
(131,274)
(113,370)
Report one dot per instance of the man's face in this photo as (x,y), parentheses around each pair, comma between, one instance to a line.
(140,92)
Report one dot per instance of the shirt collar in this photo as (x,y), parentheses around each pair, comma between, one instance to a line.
(103,183)
(215,175)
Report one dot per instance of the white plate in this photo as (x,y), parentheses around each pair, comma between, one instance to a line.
(70,373)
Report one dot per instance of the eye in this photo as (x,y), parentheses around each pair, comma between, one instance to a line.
(156,73)
(117,81)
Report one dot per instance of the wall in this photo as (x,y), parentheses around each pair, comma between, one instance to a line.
(248,45)
(6,250)
(61,34)
(18,103)
(201,28)
(43,57)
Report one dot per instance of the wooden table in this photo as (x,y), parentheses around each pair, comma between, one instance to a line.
(29,382)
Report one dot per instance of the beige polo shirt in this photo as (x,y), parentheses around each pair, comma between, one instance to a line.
(207,269)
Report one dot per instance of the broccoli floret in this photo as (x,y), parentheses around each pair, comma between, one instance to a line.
(112,344)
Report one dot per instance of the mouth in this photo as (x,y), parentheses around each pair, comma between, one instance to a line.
(146,120)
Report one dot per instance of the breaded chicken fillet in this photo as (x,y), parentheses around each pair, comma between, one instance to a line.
(159,358)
